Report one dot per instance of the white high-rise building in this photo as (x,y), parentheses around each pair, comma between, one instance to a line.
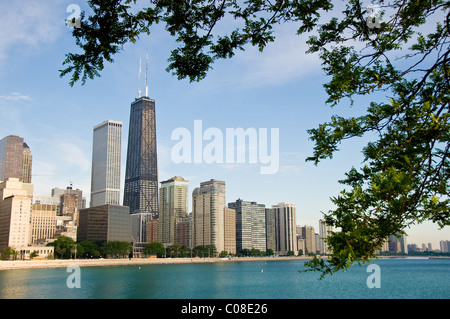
(106,160)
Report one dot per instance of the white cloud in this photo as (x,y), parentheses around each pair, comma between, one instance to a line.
(15,96)
(73,155)
(13,106)
(282,61)
(58,160)
(291,169)
(28,24)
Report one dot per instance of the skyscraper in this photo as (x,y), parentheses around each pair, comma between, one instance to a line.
(173,207)
(208,209)
(141,175)
(270,229)
(106,159)
(184,232)
(250,225)
(229,220)
(15,159)
(397,243)
(308,235)
(444,246)
(139,229)
(285,228)
(27,160)
(324,230)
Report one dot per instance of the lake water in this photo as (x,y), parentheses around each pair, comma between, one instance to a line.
(399,278)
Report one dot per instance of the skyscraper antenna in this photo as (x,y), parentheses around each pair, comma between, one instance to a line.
(140,77)
(146,73)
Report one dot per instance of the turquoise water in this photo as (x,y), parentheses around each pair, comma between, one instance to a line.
(399,278)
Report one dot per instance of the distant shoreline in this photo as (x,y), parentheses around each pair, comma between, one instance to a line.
(63,263)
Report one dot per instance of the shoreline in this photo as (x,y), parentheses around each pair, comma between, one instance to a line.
(108,262)
(63,263)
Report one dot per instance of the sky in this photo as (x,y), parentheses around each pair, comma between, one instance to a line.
(281,88)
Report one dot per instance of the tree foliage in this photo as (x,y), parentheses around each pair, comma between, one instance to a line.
(177,250)
(117,249)
(406,171)
(395,53)
(88,249)
(8,252)
(155,248)
(205,251)
(64,247)
(192,23)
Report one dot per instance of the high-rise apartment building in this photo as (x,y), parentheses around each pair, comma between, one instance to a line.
(208,209)
(250,225)
(397,243)
(270,229)
(444,246)
(301,245)
(141,175)
(152,231)
(285,228)
(184,232)
(15,159)
(229,220)
(324,232)
(308,234)
(106,160)
(173,207)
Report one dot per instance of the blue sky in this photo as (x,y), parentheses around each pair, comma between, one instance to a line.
(279,88)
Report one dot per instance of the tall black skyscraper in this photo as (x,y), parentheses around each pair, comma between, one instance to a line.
(141,175)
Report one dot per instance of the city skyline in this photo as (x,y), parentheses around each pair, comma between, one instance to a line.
(280,88)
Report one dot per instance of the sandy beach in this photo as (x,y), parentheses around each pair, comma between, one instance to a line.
(63,263)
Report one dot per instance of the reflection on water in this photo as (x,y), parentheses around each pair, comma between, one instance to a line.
(30,283)
(400,278)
